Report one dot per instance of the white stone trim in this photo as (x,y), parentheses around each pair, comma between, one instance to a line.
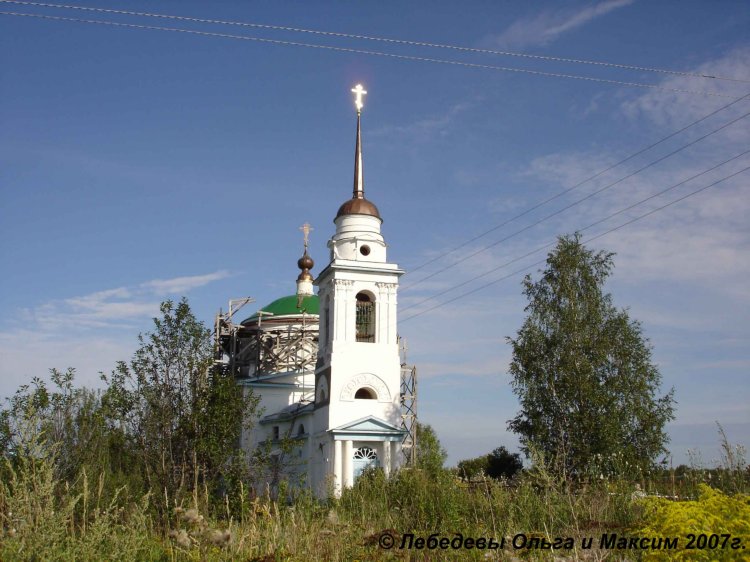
(368,380)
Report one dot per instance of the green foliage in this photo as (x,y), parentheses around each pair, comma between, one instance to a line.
(713,513)
(44,518)
(469,469)
(41,515)
(498,464)
(503,464)
(182,417)
(582,369)
(75,425)
(430,453)
(167,421)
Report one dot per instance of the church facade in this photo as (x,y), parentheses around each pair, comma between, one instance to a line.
(326,367)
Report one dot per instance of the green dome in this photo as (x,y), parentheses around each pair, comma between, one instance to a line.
(287,306)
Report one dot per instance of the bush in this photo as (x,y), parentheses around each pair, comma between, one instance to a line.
(712,513)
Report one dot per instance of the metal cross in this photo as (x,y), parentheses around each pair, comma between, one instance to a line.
(306,229)
(359,91)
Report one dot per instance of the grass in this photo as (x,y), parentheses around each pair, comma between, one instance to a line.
(43,518)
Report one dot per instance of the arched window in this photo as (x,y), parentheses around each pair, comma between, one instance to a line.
(301,430)
(322,385)
(365,394)
(365,318)
(365,453)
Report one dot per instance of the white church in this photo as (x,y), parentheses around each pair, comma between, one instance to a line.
(334,394)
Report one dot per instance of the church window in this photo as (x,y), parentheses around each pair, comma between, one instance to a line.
(365,318)
(276,433)
(364,458)
(365,394)
(364,250)
(301,430)
(322,385)
(365,453)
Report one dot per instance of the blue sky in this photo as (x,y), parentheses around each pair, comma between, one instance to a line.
(139,165)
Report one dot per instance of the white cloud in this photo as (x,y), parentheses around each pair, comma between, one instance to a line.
(179,285)
(84,331)
(674,110)
(26,354)
(548,25)
(112,308)
(703,240)
(428,127)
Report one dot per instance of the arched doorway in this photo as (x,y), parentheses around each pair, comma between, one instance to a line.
(364,457)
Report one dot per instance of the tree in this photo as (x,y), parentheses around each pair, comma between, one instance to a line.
(468,469)
(498,464)
(501,463)
(182,415)
(431,454)
(582,369)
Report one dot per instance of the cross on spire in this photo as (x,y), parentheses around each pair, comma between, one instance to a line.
(306,229)
(359,91)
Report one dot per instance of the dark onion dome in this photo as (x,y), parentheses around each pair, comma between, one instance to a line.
(357,206)
(305,262)
(287,306)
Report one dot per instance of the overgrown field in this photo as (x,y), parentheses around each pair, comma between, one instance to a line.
(44,518)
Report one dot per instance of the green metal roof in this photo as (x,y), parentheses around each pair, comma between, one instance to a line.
(286,306)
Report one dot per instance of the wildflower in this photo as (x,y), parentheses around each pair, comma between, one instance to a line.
(192,517)
(218,538)
(181,538)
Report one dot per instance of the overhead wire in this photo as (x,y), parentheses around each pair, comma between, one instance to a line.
(373,53)
(390,40)
(441,61)
(573,187)
(586,241)
(575,203)
(516,259)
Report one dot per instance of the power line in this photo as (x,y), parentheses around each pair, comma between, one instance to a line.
(575,203)
(516,259)
(623,225)
(380,39)
(571,188)
(374,53)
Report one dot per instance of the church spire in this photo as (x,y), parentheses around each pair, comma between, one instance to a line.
(359,180)
(358,205)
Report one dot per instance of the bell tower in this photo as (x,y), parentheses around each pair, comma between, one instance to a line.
(358,372)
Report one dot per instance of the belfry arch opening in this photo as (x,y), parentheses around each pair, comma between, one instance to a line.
(365,318)
(365,393)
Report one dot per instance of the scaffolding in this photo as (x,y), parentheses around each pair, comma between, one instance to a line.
(408,407)
(266,346)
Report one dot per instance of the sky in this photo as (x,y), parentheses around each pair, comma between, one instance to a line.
(138,165)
